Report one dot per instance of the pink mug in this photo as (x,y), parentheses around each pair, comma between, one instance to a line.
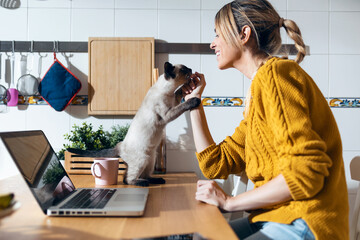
(105,171)
(12,97)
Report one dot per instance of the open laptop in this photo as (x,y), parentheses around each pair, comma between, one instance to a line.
(53,189)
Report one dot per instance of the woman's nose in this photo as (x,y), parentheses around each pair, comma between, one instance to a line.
(212,45)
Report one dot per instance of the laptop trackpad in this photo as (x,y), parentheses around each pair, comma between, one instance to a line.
(130,198)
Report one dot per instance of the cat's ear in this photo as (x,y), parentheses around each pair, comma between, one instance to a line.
(169,71)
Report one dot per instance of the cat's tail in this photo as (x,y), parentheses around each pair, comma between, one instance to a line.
(110,152)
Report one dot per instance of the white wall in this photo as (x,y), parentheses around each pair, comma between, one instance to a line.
(329,27)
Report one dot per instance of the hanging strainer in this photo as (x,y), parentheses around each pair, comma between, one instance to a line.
(28,84)
(3,93)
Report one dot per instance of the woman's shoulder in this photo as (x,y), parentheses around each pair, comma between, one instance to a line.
(280,64)
(279,68)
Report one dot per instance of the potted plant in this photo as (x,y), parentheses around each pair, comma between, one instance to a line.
(86,138)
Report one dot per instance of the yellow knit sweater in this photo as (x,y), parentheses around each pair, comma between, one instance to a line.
(289,129)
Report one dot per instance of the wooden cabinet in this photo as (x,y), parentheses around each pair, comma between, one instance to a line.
(120,74)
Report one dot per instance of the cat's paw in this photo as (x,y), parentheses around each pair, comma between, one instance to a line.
(193,102)
(156,180)
(141,182)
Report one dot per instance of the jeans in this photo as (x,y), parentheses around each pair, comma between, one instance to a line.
(297,230)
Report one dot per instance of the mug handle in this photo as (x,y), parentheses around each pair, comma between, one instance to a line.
(93,169)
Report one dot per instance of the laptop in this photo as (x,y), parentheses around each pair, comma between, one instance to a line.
(53,189)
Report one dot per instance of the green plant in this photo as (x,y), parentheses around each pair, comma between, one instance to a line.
(117,134)
(85,138)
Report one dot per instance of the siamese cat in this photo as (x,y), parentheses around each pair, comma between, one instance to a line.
(161,105)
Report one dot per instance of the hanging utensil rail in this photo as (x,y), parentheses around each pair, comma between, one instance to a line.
(160,47)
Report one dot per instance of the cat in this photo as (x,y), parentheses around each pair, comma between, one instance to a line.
(161,105)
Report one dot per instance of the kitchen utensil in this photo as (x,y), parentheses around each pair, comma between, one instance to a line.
(2,88)
(12,93)
(28,84)
(3,93)
(40,64)
(10,4)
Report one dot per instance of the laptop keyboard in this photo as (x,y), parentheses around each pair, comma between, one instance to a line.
(90,198)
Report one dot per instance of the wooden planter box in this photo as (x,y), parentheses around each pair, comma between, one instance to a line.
(75,164)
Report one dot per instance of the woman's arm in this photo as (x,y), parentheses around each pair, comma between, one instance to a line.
(273,192)
(201,132)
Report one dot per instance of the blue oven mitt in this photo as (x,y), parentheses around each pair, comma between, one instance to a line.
(59,86)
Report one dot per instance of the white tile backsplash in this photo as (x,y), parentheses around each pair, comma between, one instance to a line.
(279,5)
(344,5)
(346,119)
(87,23)
(179,134)
(215,5)
(317,66)
(93,4)
(80,68)
(308,5)
(13,24)
(179,4)
(139,4)
(225,126)
(219,83)
(12,118)
(179,26)
(49,24)
(208,26)
(182,161)
(49,4)
(343,75)
(310,28)
(190,60)
(54,124)
(79,114)
(136,23)
(344,33)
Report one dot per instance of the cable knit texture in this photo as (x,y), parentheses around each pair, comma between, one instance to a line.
(291,130)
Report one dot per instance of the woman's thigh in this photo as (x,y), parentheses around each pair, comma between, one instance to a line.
(298,229)
(244,230)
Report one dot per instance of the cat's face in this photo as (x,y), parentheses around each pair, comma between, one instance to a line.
(178,73)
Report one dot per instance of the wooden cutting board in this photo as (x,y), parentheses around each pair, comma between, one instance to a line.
(120,74)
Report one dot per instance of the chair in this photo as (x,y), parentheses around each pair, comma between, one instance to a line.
(355,222)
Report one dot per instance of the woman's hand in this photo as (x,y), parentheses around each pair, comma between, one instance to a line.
(196,86)
(208,191)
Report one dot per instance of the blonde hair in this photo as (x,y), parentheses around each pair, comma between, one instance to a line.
(264,22)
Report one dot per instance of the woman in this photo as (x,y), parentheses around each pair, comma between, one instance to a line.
(288,143)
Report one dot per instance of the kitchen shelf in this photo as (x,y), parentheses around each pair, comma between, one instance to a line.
(207,101)
(38,100)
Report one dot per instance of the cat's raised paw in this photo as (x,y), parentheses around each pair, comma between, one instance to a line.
(194,102)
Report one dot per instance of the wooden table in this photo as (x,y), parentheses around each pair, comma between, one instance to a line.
(171,209)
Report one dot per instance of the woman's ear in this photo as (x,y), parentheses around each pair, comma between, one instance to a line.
(245,34)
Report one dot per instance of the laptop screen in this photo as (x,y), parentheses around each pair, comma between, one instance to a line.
(39,166)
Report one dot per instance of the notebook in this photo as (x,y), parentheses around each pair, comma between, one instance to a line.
(53,189)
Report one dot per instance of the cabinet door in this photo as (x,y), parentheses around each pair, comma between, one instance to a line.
(120,74)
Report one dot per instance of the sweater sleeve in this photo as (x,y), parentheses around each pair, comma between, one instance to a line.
(301,151)
(219,161)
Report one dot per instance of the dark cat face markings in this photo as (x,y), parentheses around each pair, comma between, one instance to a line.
(169,71)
